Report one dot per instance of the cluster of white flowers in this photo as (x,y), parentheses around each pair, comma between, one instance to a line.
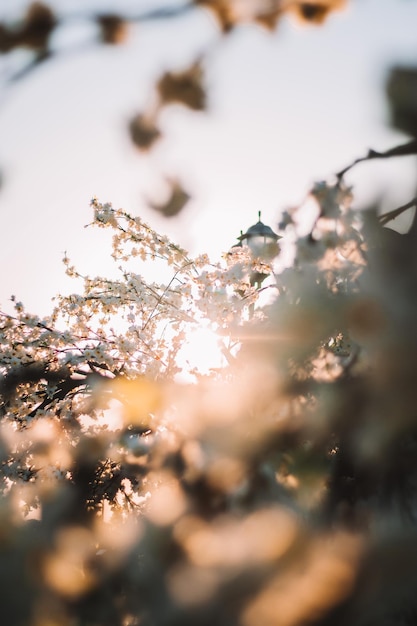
(125,327)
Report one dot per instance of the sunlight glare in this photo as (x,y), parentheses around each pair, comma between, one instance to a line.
(202,351)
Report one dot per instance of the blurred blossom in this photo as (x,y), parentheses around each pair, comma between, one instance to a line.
(66,569)
(167,500)
(229,543)
(323,577)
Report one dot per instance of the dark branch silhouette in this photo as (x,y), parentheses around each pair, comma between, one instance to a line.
(407,149)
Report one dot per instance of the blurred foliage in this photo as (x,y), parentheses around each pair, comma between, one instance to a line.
(34,30)
(113,28)
(143,132)
(175,202)
(35,27)
(402,96)
(183,87)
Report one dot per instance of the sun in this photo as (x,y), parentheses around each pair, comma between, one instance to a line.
(201,352)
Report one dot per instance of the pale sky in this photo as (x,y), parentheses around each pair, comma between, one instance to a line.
(285,110)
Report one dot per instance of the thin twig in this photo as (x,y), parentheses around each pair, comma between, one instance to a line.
(392,215)
(406,149)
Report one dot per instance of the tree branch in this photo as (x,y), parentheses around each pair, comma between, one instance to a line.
(391,215)
(406,149)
